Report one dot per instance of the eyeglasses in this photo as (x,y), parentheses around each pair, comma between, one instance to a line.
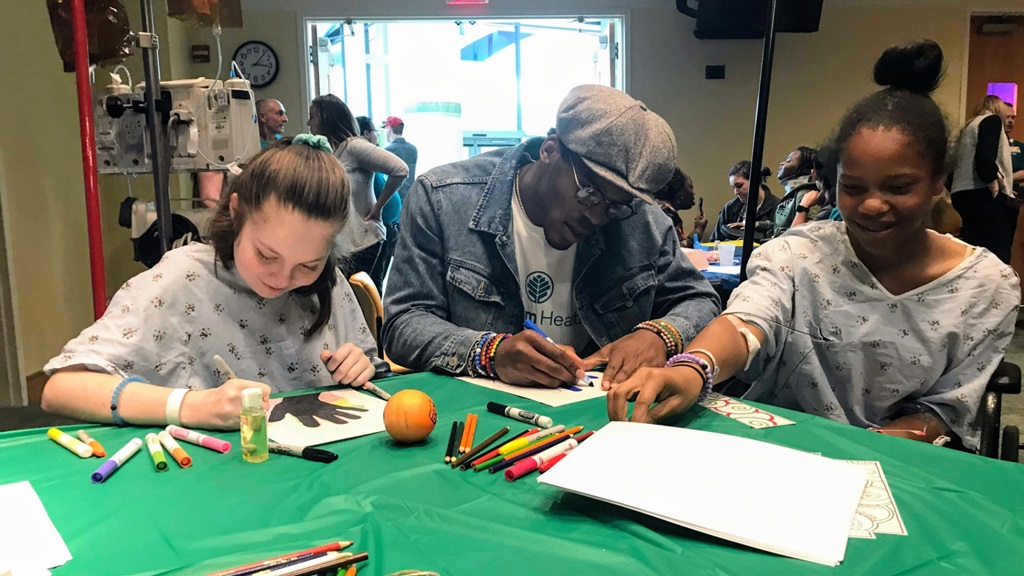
(589,196)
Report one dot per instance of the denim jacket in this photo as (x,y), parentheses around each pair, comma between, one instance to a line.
(455,274)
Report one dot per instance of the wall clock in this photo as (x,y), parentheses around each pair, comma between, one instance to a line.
(258,62)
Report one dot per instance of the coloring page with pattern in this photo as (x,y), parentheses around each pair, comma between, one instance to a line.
(745,413)
(549,396)
(323,417)
(877,512)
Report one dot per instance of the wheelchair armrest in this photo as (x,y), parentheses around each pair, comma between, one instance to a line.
(1005,380)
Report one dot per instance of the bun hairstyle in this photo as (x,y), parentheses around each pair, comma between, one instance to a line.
(742,168)
(908,74)
(911,67)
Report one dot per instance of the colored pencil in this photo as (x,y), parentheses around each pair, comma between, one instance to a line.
(494,452)
(510,462)
(471,434)
(321,566)
(480,447)
(451,442)
(277,560)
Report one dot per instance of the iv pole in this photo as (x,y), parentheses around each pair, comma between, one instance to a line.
(154,119)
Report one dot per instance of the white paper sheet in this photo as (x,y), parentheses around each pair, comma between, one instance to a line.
(29,542)
(358,413)
(549,396)
(761,495)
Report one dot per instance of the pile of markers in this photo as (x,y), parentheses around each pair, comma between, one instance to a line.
(534,449)
(86,447)
(325,559)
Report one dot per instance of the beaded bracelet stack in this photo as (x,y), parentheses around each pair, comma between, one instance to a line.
(483,354)
(699,365)
(667,332)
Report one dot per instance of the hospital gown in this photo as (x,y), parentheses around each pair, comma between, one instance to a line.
(839,345)
(166,324)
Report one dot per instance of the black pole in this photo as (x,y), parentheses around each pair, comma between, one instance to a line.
(159,159)
(757,155)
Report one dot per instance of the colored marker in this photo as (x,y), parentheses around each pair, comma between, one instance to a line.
(304,452)
(480,447)
(277,561)
(529,325)
(369,386)
(549,440)
(116,461)
(521,415)
(155,452)
(531,463)
(177,452)
(81,449)
(222,446)
(528,439)
(547,465)
(97,448)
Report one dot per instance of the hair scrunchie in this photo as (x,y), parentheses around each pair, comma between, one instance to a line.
(313,141)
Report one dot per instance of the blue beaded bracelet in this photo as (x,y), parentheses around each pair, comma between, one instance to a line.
(117,396)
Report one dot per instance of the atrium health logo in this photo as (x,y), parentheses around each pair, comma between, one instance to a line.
(539,287)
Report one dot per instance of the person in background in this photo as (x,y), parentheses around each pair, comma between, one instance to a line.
(1016,151)
(363,239)
(795,176)
(395,134)
(732,219)
(875,321)
(263,294)
(389,215)
(982,185)
(678,195)
(824,195)
(271,116)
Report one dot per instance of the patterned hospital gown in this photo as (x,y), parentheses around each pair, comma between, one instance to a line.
(840,346)
(167,323)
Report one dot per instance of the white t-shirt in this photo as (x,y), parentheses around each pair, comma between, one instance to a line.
(545,282)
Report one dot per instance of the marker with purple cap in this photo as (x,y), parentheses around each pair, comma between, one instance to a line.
(116,461)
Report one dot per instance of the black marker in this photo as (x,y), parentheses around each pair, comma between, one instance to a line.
(305,452)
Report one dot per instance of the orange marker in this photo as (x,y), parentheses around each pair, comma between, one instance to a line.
(172,446)
(351,570)
(97,448)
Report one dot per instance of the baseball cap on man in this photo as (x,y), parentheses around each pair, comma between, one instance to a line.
(392,121)
(618,138)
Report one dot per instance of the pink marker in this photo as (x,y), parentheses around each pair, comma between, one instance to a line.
(222,446)
(528,465)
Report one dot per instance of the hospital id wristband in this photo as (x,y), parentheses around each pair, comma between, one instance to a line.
(172,412)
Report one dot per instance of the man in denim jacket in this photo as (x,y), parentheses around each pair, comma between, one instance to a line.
(568,219)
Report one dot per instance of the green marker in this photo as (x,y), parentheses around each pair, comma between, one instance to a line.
(153,443)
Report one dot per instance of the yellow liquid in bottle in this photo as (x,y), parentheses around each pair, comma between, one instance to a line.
(254,435)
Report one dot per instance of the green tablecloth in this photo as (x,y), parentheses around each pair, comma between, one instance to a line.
(402,505)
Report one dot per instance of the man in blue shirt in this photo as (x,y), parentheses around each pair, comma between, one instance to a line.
(394,129)
(271,117)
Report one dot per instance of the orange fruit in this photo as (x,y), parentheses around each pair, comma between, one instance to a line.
(410,416)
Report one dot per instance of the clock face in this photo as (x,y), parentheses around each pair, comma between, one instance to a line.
(258,63)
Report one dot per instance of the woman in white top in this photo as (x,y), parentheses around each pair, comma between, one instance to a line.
(362,238)
(982,186)
(875,321)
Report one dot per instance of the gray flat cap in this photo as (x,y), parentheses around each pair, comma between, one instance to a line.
(618,138)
